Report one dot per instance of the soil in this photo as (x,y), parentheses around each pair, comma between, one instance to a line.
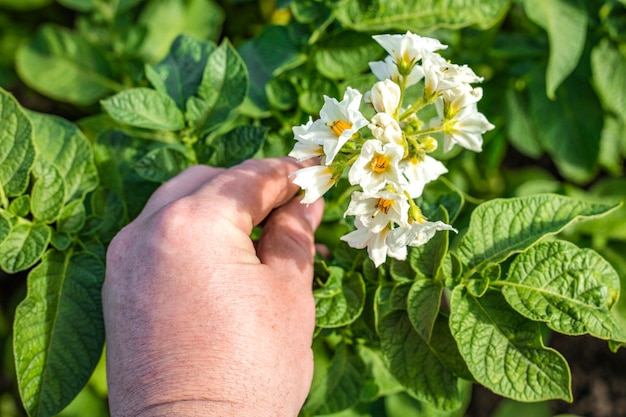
(598,381)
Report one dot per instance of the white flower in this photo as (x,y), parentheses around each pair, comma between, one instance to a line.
(417,234)
(315,181)
(463,95)
(377,210)
(386,129)
(465,128)
(385,96)
(376,243)
(376,166)
(440,75)
(409,48)
(419,173)
(304,148)
(338,122)
(388,69)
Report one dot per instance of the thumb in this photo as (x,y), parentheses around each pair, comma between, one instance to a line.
(287,243)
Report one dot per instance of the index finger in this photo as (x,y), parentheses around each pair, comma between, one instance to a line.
(245,194)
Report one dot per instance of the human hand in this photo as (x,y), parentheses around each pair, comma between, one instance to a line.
(201,320)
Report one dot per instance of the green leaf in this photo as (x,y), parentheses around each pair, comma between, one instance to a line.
(423,304)
(417,365)
(146,108)
(612,148)
(48,193)
(265,55)
(20,206)
(281,94)
(162,163)
(575,114)
(572,290)
(426,260)
(504,351)
(608,65)
(24,4)
(236,146)
(566,24)
(346,54)
(64,66)
(5,227)
(341,385)
(224,87)
(17,153)
(61,144)
(79,5)
(441,200)
(400,271)
(502,227)
(123,5)
(419,16)
(58,331)
(61,241)
(165,20)
(340,300)
(519,127)
(24,246)
(179,74)
(311,99)
(386,383)
(72,218)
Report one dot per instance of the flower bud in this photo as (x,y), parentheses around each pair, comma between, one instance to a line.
(385,96)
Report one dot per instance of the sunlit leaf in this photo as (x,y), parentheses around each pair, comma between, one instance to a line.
(224,87)
(504,351)
(17,153)
(146,108)
(64,66)
(572,290)
(608,65)
(24,246)
(167,19)
(419,15)
(59,331)
(179,74)
(501,227)
(61,144)
(48,193)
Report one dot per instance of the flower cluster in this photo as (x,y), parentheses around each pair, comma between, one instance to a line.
(391,165)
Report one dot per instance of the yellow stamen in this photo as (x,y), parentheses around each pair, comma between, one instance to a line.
(338,126)
(383,205)
(379,163)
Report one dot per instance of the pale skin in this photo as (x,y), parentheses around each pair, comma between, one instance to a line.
(202,321)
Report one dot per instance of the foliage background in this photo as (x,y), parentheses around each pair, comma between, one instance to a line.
(555,87)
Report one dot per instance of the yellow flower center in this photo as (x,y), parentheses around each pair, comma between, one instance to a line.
(383,205)
(338,126)
(379,163)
